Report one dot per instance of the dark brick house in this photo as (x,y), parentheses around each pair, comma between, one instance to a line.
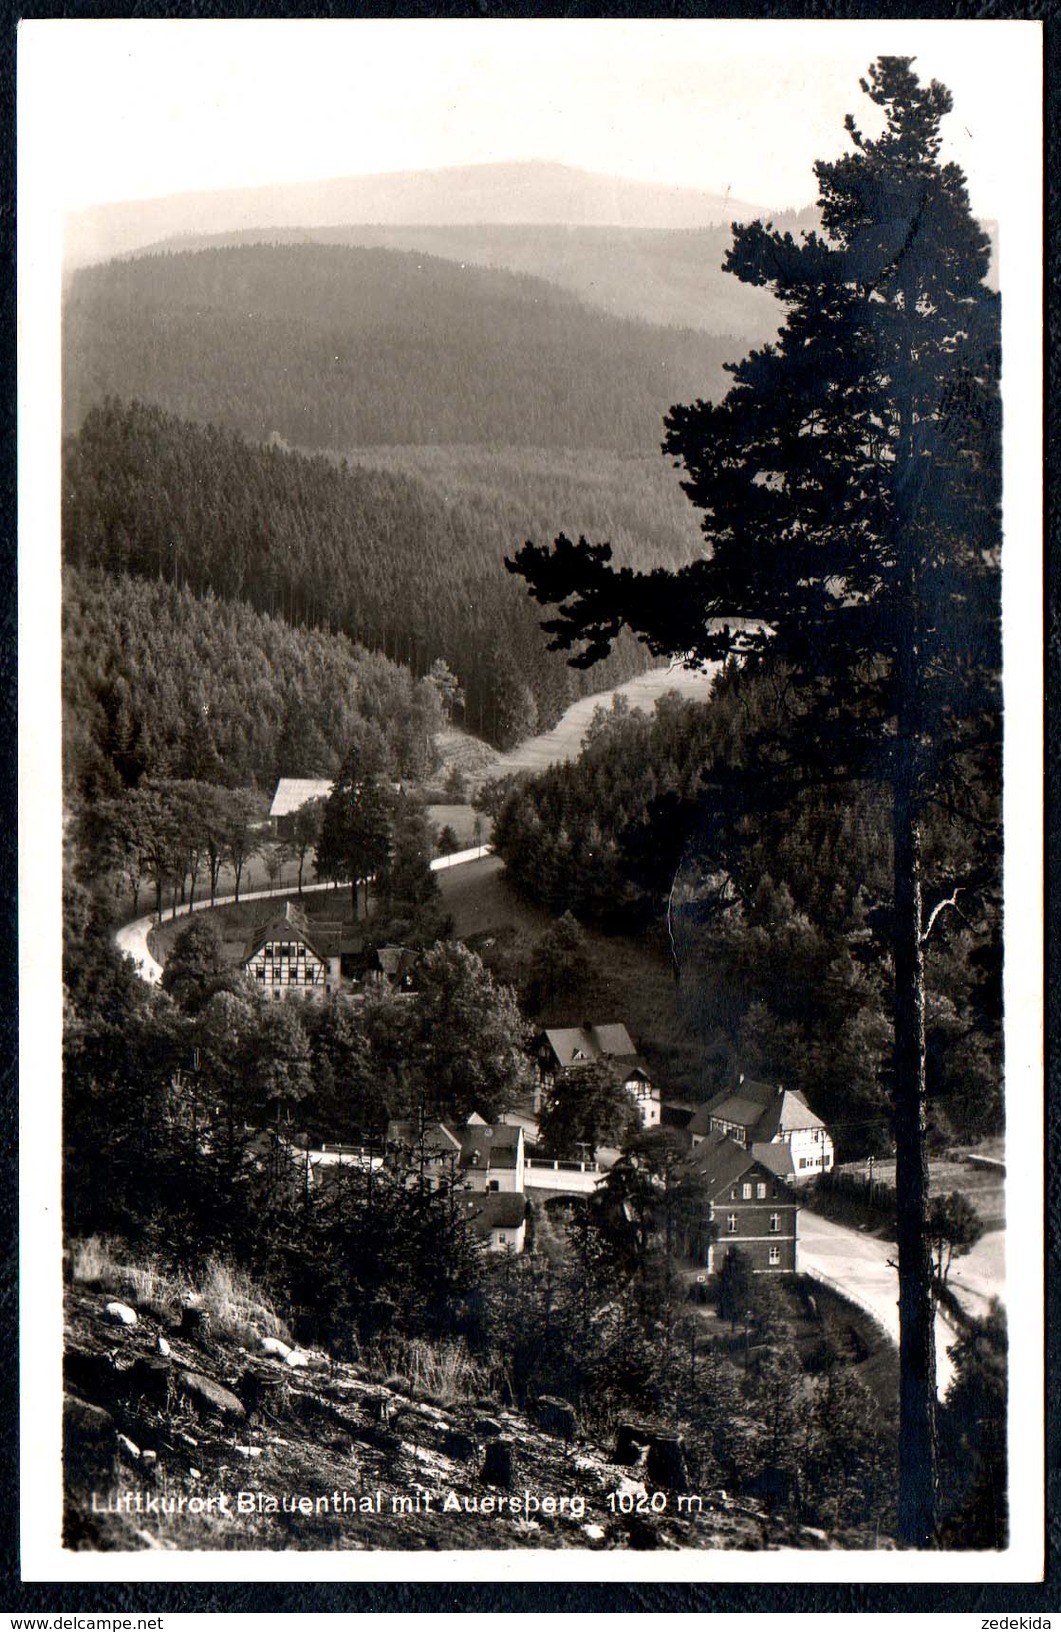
(748,1207)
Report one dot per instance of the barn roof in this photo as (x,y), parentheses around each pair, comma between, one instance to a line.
(292,792)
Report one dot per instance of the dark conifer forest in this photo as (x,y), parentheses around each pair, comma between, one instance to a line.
(374,555)
(779,925)
(333,347)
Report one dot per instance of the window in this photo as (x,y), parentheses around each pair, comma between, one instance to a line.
(803,1161)
(760,1192)
(828,1162)
(260,971)
(731,1224)
(268,949)
(775,1255)
(746,1192)
(733,1194)
(775,1223)
(493,1184)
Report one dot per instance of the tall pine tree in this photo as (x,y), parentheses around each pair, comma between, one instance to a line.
(849,483)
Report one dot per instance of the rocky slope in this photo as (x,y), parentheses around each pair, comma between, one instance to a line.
(175,1438)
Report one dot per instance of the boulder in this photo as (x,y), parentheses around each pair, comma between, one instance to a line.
(296,1358)
(487,1428)
(275,1348)
(209,1397)
(120,1314)
(127,1449)
(163,1347)
(88,1442)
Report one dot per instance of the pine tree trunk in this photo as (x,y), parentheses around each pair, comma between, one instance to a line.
(917,1349)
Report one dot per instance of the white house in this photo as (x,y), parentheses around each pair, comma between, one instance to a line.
(286,958)
(492,1157)
(775,1124)
(560,1048)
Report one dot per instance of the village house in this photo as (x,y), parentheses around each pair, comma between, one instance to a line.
(486,1159)
(292,792)
(775,1124)
(560,1048)
(285,957)
(748,1208)
(499,1219)
(492,1156)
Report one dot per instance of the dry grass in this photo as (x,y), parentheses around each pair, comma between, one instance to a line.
(442,1370)
(235,1305)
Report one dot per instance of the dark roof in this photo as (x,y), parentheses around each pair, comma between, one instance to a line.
(612,1042)
(289,923)
(495,1210)
(760,1109)
(719,1161)
(493,1146)
(438,1139)
(777,1157)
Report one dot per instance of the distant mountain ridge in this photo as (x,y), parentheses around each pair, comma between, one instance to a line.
(520,192)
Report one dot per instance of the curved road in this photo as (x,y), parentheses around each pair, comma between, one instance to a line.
(861,1267)
(132,937)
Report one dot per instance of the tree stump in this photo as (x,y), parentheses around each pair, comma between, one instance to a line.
(665,1466)
(195,1323)
(499,1463)
(151,1377)
(262,1392)
(630,1442)
(556,1417)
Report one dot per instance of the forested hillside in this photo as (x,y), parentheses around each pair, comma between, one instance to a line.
(655,275)
(158,681)
(334,347)
(780,922)
(375,555)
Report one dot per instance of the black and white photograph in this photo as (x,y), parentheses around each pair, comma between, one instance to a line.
(530,797)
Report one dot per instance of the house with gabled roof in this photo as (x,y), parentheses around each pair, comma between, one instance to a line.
(287,957)
(499,1219)
(487,1162)
(292,792)
(492,1157)
(562,1048)
(747,1208)
(775,1122)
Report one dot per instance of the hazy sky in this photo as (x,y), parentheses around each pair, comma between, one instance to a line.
(137,109)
